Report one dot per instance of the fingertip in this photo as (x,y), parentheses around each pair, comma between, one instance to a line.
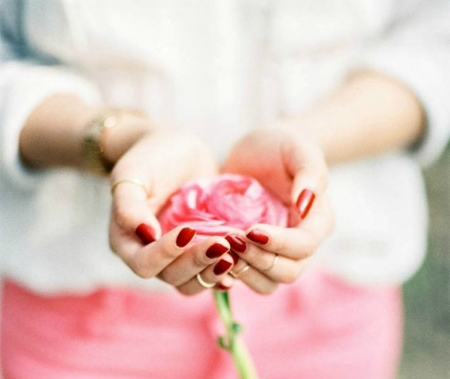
(304,202)
(223,266)
(225,283)
(237,244)
(234,256)
(216,250)
(185,236)
(258,236)
(145,233)
(309,181)
(222,287)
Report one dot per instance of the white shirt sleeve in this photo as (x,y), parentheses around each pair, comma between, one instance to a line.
(416,51)
(23,85)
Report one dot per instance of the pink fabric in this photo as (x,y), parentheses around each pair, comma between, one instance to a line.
(319,328)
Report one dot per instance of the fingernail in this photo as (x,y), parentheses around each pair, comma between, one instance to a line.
(234,256)
(258,236)
(185,236)
(216,250)
(304,202)
(236,243)
(221,267)
(221,287)
(145,233)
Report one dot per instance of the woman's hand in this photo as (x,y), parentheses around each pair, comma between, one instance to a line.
(162,162)
(293,167)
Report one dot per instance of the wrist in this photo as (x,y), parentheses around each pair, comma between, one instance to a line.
(108,135)
(53,132)
(130,127)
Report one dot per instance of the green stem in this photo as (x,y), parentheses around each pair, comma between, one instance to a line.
(231,341)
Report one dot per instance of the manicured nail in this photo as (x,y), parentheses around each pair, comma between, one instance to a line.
(185,236)
(221,287)
(221,267)
(216,250)
(258,236)
(236,243)
(234,256)
(304,202)
(145,233)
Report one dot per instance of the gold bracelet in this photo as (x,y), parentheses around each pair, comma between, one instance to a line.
(93,158)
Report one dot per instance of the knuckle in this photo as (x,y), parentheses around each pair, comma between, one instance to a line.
(170,277)
(310,245)
(167,277)
(267,289)
(293,275)
(309,250)
(199,260)
(289,278)
(169,252)
(185,291)
(123,216)
(286,279)
(279,245)
(128,215)
(265,262)
(142,272)
(139,267)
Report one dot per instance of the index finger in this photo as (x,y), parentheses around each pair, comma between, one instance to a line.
(305,162)
(295,242)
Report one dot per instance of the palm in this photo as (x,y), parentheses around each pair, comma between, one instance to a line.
(165,161)
(265,158)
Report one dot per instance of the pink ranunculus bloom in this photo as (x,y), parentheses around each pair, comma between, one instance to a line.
(217,205)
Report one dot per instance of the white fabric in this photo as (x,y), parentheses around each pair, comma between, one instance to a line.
(418,54)
(26,85)
(219,67)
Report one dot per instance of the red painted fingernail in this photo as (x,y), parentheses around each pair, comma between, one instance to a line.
(304,202)
(145,233)
(258,236)
(221,287)
(236,243)
(234,256)
(185,236)
(216,250)
(221,267)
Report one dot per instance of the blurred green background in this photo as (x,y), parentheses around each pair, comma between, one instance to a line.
(427,295)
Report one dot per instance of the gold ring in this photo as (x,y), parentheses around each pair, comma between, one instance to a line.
(204,283)
(275,261)
(136,182)
(236,275)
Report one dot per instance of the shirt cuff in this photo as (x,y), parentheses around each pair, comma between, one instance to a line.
(23,86)
(423,72)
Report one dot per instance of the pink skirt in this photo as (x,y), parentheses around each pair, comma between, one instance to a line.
(319,328)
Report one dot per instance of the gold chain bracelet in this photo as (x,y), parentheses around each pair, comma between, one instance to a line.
(93,158)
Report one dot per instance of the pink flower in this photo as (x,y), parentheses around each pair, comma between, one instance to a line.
(215,206)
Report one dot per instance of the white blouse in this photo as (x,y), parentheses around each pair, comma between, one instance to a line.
(219,67)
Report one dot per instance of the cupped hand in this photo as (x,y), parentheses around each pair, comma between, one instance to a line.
(292,166)
(148,173)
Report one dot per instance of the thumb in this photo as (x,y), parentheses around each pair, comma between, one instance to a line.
(131,208)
